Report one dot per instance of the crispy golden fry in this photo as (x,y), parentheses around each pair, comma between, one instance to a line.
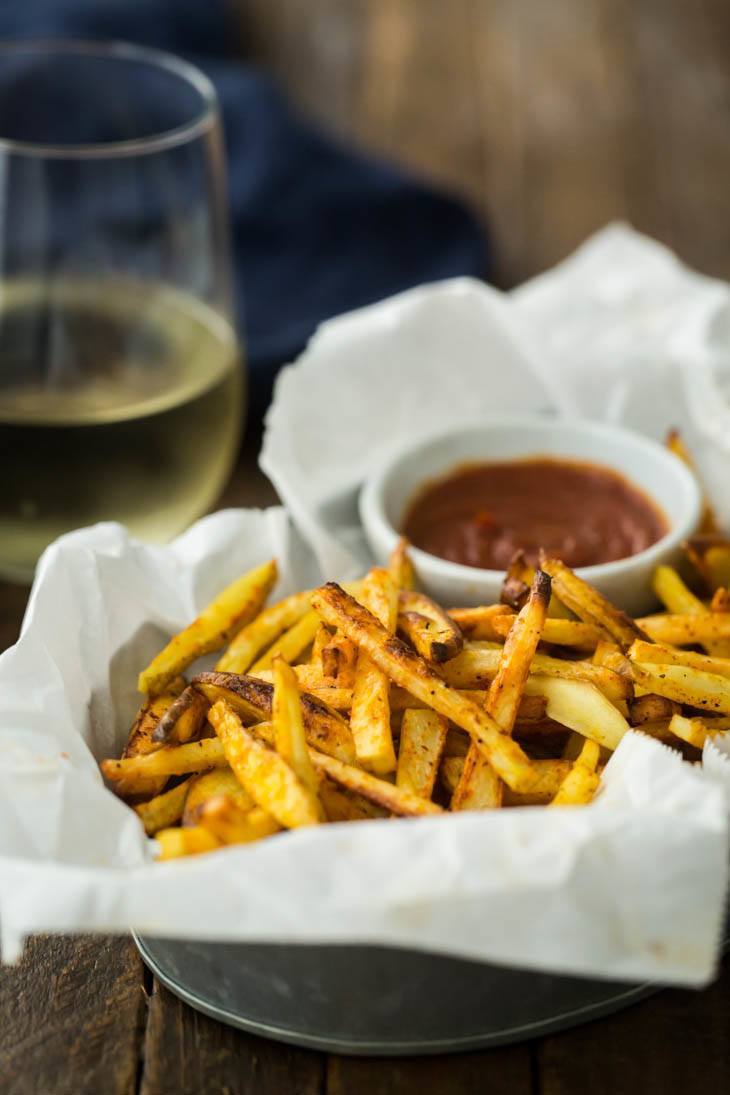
(262,632)
(267,777)
(580,706)
(675,444)
(479,623)
(422,739)
(573,633)
(674,594)
(579,786)
(142,736)
(604,650)
(432,632)
(342,805)
(397,800)
(516,588)
(339,660)
(320,642)
(370,712)
(400,566)
(231,823)
(288,723)
(184,719)
(201,789)
(683,684)
(662,654)
(687,630)
(678,599)
(292,643)
(480,787)
(179,842)
(591,606)
(163,810)
(695,731)
(650,708)
(169,760)
(253,698)
(549,774)
(531,709)
(407,669)
(476,665)
(656,728)
(232,608)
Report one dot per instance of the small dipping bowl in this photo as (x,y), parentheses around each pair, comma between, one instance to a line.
(391,489)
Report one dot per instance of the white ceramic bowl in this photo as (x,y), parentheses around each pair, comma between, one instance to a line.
(389,490)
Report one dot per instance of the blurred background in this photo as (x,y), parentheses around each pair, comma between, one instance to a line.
(378,144)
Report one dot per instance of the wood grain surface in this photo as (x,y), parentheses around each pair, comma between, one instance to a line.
(549,119)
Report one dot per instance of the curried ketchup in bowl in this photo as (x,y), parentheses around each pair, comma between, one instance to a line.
(583,513)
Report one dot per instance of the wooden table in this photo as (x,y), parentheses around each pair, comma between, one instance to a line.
(549,119)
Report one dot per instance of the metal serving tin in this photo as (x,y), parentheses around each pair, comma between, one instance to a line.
(376,1001)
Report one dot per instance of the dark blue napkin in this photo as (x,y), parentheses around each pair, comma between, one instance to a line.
(318,228)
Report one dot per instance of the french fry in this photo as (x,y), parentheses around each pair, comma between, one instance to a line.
(397,800)
(683,684)
(342,805)
(695,731)
(549,774)
(674,594)
(339,660)
(184,719)
(169,760)
(370,712)
(400,566)
(267,777)
(430,630)
(212,784)
(480,787)
(288,723)
(142,735)
(580,706)
(476,666)
(180,842)
(650,708)
(687,630)
(253,699)
(720,601)
(292,643)
(675,444)
(410,671)
(572,633)
(531,708)
(591,606)
(163,810)
(232,608)
(662,654)
(656,728)
(479,623)
(579,786)
(262,632)
(422,739)
(231,823)
(320,642)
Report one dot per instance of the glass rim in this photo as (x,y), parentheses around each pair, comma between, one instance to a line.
(200,122)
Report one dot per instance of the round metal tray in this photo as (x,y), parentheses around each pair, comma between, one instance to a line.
(376,1001)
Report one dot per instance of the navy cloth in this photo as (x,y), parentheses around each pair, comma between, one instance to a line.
(318,228)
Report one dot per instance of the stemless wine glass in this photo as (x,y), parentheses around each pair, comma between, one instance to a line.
(120,375)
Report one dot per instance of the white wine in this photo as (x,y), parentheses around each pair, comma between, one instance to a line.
(119,400)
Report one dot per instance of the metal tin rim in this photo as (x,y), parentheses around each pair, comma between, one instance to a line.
(365,1048)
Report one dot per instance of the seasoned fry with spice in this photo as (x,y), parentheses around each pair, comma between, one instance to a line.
(235,606)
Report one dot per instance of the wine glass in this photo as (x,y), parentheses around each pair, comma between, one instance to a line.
(120,374)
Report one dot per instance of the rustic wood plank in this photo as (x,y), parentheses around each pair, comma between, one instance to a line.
(72,1018)
(505,1071)
(674,1042)
(680,162)
(186,1053)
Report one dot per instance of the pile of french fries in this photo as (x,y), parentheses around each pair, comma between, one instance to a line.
(372,701)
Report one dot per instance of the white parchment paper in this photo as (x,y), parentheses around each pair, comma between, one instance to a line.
(630,887)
